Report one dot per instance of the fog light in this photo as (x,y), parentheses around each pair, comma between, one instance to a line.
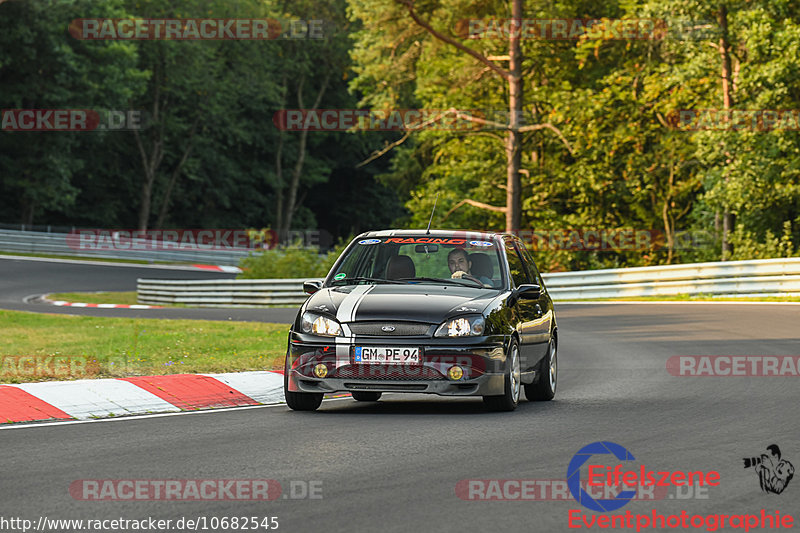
(455,373)
(320,370)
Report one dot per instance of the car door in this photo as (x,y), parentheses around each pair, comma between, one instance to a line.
(523,310)
(544,308)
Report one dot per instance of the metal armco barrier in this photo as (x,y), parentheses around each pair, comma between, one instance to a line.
(737,278)
(38,242)
(222,292)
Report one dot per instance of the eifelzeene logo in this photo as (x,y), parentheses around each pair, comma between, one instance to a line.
(605,476)
(774,473)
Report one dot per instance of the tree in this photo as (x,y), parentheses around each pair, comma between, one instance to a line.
(43,67)
(512,77)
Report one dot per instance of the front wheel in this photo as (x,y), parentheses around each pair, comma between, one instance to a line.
(510,398)
(545,388)
(300,401)
(363,396)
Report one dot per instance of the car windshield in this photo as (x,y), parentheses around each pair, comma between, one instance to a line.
(421,259)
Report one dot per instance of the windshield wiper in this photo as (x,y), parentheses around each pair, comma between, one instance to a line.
(347,281)
(457,281)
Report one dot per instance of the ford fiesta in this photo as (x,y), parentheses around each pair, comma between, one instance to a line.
(439,312)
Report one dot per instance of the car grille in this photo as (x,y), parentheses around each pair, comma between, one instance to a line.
(385,386)
(405,373)
(407,329)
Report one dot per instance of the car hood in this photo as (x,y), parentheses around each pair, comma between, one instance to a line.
(418,302)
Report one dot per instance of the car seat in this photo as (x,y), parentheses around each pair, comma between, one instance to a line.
(482,266)
(400,266)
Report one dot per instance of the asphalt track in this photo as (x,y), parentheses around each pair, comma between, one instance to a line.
(395,465)
(21,280)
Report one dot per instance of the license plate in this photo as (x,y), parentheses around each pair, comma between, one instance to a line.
(386,356)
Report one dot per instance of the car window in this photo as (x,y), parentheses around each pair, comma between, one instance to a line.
(365,263)
(401,257)
(515,265)
(527,258)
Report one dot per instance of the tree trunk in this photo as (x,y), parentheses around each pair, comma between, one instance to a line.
(278,228)
(513,136)
(728,223)
(28,209)
(668,224)
(727,103)
(291,202)
(151,161)
(278,222)
(162,212)
(144,207)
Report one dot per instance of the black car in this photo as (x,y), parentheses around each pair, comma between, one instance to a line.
(452,313)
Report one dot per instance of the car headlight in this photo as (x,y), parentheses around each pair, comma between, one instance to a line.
(462,326)
(320,325)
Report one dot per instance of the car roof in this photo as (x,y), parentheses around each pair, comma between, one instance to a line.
(464,233)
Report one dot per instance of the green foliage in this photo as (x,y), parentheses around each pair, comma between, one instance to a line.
(628,166)
(213,101)
(747,245)
(623,165)
(289,262)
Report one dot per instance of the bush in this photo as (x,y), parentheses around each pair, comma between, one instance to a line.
(289,262)
(747,245)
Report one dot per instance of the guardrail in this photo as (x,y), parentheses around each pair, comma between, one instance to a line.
(732,278)
(37,242)
(222,292)
(735,278)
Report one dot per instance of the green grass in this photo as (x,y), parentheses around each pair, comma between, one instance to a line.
(126,298)
(87,347)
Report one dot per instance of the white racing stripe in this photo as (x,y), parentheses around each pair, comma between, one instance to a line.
(347,313)
(347,310)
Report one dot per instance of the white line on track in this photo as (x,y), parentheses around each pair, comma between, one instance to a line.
(24,425)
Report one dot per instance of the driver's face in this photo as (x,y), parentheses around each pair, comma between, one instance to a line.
(458,262)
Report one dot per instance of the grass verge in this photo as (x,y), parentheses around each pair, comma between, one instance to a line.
(39,346)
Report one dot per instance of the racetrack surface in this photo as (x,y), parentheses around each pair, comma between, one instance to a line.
(394,465)
(21,279)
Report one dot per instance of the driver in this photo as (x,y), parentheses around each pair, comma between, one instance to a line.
(460,265)
(458,262)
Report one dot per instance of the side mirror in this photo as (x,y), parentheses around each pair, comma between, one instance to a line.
(528,291)
(310,286)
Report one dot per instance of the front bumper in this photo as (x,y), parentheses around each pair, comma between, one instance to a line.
(482,360)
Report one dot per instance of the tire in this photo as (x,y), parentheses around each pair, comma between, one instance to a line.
(545,388)
(365,396)
(510,398)
(300,401)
